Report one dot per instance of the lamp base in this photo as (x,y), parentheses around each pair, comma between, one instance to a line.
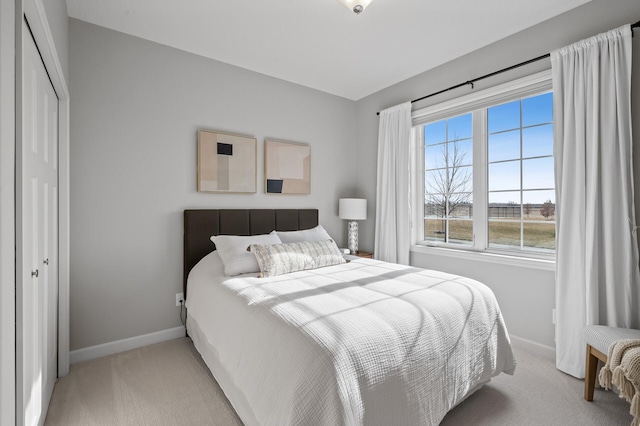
(353,236)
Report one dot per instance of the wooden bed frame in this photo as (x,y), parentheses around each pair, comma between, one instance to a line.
(200,225)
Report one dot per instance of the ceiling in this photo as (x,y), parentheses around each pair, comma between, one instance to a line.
(320,43)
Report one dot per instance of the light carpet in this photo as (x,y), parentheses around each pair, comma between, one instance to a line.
(169,384)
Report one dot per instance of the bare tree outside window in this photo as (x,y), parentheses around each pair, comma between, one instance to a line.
(527,209)
(449,190)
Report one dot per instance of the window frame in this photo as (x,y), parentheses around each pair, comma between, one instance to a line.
(477,103)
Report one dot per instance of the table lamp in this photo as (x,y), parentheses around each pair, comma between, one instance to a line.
(352,209)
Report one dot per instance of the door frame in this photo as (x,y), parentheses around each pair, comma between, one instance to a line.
(34,12)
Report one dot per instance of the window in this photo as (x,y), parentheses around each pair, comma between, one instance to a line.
(520,173)
(448,180)
(488,169)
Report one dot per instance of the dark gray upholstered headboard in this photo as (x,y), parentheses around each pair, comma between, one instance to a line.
(200,225)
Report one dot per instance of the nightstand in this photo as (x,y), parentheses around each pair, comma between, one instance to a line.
(364,254)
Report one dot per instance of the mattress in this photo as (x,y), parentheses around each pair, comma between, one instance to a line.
(362,343)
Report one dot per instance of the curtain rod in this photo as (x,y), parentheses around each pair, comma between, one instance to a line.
(472,81)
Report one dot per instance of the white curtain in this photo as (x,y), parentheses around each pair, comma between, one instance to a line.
(393,200)
(597,278)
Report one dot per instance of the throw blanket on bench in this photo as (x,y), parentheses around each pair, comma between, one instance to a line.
(623,370)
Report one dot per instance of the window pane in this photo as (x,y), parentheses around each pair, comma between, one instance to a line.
(538,197)
(504,146)
(532,202)
(504,117)
(435,132)
(548,210)
(434,156)
(435,181)
(537,141)
(441,205)
(435,205)
(461,206)
(460,231)
(449,191)
(537,109)
(504,175)
(540,236)
(464,152)
(504,205)
(460,179)
(538,173)
(504,234)
(434,229)
(460,127)
(448,181)
(432,207)
(505,197)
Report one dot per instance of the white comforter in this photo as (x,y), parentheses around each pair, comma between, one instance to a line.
(364,343)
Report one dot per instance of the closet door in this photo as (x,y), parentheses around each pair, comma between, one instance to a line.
(37,329)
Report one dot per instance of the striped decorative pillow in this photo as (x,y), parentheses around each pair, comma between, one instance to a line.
(278,259)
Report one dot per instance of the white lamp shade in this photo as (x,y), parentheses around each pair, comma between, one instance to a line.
(352,208)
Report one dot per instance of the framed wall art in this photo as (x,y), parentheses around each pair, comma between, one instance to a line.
(226,162)
(287,167)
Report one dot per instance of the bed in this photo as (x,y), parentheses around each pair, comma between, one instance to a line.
(358,343)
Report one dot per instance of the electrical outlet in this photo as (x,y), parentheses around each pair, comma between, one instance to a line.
(179,298)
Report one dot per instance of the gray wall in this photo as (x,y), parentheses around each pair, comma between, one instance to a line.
(7,215)
(135,110)
(136,107)
(527,296)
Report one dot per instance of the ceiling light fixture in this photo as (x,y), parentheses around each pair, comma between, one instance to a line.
(357,6)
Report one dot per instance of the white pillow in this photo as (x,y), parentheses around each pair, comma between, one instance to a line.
(314,234)
(234,254)
(278,259)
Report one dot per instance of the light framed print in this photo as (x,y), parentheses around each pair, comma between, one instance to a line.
(287,167)
(226,162)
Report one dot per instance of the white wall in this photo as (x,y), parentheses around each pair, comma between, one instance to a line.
(136,108)
(526,296)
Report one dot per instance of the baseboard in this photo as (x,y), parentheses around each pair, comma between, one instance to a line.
(534,347)
(98,351)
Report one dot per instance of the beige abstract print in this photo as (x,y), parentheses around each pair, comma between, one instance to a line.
(287,167)
(226,162)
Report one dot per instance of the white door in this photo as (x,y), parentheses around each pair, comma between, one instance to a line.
(37,329)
